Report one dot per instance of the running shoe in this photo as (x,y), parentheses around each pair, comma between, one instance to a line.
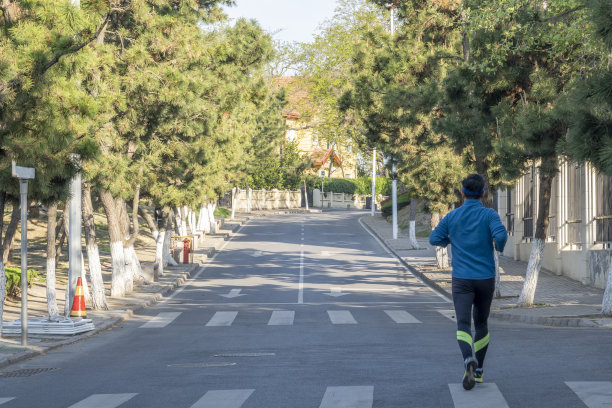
(478,374)
(468,375)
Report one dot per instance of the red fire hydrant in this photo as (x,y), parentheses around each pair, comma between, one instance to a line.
(186,251)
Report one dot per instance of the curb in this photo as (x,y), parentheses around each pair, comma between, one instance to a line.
(536,320)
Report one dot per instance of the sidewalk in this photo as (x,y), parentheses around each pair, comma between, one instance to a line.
(560,301)
(119,308)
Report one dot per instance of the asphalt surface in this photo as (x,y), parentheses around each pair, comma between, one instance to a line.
(308,310)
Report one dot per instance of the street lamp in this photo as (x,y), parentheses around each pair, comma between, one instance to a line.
(391,7)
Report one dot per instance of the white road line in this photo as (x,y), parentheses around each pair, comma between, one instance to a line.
(282,318)
(301,284)
(4,400)
(402,265)
(594,394)
(485,395)
(222,319)
(103,401)
(161,320)
(402,316)
(341,317)
(449,314)
(348,397)
(223,399)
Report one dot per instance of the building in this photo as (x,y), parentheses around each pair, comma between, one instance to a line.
(301,120)
(580,231)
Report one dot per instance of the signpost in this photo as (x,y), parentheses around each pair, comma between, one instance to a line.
(24,174)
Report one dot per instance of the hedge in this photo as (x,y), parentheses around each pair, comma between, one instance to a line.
(360,185)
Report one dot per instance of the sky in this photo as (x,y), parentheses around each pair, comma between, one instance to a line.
(287,20)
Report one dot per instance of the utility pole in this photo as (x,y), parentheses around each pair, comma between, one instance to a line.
(75,254)
(373,182)
(393,168)
(24,174)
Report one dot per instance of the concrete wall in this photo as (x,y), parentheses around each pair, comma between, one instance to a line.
(338,200)
(268,199)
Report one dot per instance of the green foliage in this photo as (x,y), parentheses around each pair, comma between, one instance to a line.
(282,172)
(403,200)
(13,280)
(222,212)
(359,185)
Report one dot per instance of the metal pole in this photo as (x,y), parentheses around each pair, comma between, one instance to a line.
(74,238)
(306,194)
(23,190)
(322,192)
(373,182)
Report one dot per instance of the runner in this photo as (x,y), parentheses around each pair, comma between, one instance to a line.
(474,231)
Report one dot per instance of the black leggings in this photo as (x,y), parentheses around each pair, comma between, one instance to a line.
(479,294)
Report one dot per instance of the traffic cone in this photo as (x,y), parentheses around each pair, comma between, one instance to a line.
(78,304)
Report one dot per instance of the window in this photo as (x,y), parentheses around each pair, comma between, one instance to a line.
(603,214)
(575,196)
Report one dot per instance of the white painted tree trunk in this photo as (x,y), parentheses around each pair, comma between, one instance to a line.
(52,308)
(412,235)
(98,298)
(2,291)
(134,270)
(442,257)
(159,251)
(205,219)
(234,199)
(192,221)
(211,217)
(249,194)
(533,271)
(86,292)
(497,275)
(119,270)
(606,304)
(167,259)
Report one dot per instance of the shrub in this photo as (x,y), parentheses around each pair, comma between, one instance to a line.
(402,201)
(359,185)
(13,280)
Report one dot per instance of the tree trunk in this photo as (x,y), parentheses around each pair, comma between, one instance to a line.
(412,228)
(537,250)
(10,233)
(98,292)
(52,307)
(116,244)
(2,271)
(441,253)
(150,222)
(124,224)
(190,218)
(205,219)
(211,217)
(167,259)
(11,10)
(62,230)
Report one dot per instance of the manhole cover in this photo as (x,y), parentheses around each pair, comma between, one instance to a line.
(246,355)
(201,365)
(26,372)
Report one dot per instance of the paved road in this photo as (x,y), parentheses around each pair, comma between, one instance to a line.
(306,311)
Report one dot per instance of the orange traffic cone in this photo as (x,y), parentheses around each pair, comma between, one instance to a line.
(78,304)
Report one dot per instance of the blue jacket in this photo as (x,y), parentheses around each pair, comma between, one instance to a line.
(471,229)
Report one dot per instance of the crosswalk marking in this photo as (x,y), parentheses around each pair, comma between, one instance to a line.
(449,314)
(341,317)
(161,320)
(223,399)
(594,394)
(348,397)
(222,319)
(103,401)
(485,395)
(281,318)
(4,400)
(402,316)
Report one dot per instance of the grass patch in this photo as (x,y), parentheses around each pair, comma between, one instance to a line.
(13,280)
(222,212)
